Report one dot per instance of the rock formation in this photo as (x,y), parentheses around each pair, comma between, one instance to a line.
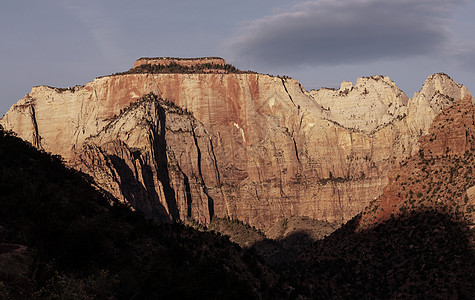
(440,175)
(242,145)
(370,104)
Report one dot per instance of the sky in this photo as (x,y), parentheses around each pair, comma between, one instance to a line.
(320,43)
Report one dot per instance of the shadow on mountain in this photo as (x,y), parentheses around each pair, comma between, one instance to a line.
(159,142)
(142,198)
(61,239)
(425,254)
(276,252)
(282,242)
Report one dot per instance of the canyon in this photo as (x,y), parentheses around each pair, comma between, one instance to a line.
(241,145)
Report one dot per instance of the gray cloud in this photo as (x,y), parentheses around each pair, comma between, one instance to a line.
(328,32)
(461,53)
(98,19)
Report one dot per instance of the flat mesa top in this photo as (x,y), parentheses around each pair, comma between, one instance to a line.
(188,62)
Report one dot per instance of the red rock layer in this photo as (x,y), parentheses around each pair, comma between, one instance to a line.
(256,148)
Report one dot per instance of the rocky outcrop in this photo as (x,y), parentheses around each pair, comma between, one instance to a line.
(255,147)
(158,158)
(438,92)
(370,104)
(440,175)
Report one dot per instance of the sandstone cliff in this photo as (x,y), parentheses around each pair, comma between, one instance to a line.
(370,104)
(254,147)
(158,158)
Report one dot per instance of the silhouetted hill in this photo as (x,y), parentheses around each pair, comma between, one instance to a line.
(62,239)
(417,255)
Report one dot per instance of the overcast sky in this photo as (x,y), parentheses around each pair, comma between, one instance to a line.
(320,43)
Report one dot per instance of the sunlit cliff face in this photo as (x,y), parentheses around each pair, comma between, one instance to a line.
(249,146)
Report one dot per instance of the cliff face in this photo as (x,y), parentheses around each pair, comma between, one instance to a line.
(255,147)
(157,157)
(370,104)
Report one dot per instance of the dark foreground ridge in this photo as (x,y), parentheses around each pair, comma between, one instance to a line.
(62,239)
(419,254)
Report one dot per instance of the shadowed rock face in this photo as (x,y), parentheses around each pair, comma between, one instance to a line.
(257,148)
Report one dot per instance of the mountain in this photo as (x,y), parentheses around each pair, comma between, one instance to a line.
(256,157)
(197,138)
